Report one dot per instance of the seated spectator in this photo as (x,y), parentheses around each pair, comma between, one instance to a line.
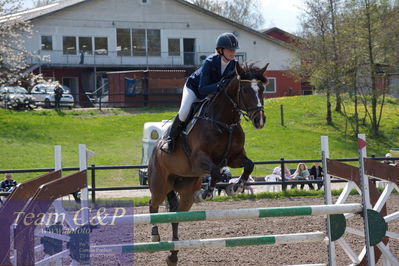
(301,173)
(387,160)
(277,171)
(226,176)
(316,173)
(8,184)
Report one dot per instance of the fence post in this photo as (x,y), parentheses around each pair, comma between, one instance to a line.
(93,183)
(282,114)
(282,167)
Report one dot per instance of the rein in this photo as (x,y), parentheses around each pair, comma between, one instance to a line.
(230,127)
(236,103)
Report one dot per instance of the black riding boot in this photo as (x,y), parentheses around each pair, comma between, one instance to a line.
(174,133)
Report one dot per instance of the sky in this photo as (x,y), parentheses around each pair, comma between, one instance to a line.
(277,13)
(283,14)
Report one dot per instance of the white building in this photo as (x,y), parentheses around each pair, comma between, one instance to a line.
(79,40)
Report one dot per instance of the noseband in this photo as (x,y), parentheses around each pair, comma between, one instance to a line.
(236,104)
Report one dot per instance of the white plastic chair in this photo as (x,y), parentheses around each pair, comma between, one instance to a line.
(273,178)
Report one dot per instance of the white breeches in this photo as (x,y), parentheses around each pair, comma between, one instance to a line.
(186,101)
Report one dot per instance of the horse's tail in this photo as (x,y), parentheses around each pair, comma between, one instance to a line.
(173,201)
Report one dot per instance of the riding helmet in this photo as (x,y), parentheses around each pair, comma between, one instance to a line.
(227,40)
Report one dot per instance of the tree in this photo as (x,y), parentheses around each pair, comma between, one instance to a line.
(315,52)
(376,54)
(246,12)
(13,54)
(350,46)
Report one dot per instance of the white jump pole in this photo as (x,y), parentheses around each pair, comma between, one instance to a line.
(365,197)
(58,167)
(57,158)
(325,154)
(84,193)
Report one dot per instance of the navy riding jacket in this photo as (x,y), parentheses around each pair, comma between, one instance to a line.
(205,79)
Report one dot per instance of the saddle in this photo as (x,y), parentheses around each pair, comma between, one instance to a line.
(197,110)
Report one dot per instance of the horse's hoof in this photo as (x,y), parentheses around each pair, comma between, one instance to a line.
(197,196)
(239,188)
(170,263)
(155,238)
(234,189)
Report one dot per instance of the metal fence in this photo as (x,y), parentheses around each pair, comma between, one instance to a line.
(108,58)
(282,162)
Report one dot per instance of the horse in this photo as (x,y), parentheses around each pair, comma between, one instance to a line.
(216,140)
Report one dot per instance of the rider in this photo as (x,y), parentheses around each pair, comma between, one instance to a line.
(204,81)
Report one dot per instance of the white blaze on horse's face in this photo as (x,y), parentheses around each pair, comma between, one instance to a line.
(255,87)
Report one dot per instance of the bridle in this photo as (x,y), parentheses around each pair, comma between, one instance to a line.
(230,127)
(236,104)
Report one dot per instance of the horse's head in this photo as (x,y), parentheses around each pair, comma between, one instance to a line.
(248,92)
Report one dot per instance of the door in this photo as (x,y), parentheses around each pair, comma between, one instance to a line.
(72,84)
(189,51)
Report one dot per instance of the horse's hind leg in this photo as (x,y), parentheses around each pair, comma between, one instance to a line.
(186,190)
(154,228)
(159,191)
(173,206)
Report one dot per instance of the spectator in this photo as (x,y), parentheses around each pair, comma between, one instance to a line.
(58,91)
(387,161)
(316,172)
(8,184)
(226,176)
(301,173)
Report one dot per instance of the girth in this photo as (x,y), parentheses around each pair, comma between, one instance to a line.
(221,126)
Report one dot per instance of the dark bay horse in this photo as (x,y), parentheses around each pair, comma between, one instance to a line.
(217,140)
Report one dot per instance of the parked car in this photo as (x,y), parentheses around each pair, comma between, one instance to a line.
(44,95)
(17,98)
(153,132)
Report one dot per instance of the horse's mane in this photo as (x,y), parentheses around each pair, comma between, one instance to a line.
(252,72)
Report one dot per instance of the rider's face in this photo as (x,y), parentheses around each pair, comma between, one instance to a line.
(229,54)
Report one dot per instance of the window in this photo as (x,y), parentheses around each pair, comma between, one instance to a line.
(138,40)
(69,44)
(85,45)
(174,47)
(101,45)
(47,43)
(123,42)
(154,42)
(271,87)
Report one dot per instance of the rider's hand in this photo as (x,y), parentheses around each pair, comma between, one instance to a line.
(223,83)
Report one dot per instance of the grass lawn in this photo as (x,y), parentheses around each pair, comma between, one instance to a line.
(27,139)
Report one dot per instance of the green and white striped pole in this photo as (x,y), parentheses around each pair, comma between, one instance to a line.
(213,215)
(209,243)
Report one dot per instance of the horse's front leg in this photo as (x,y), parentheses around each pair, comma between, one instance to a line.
(238,162)
(204,164)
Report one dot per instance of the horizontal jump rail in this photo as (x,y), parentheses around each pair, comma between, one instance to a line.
(213,215)
(208,243)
